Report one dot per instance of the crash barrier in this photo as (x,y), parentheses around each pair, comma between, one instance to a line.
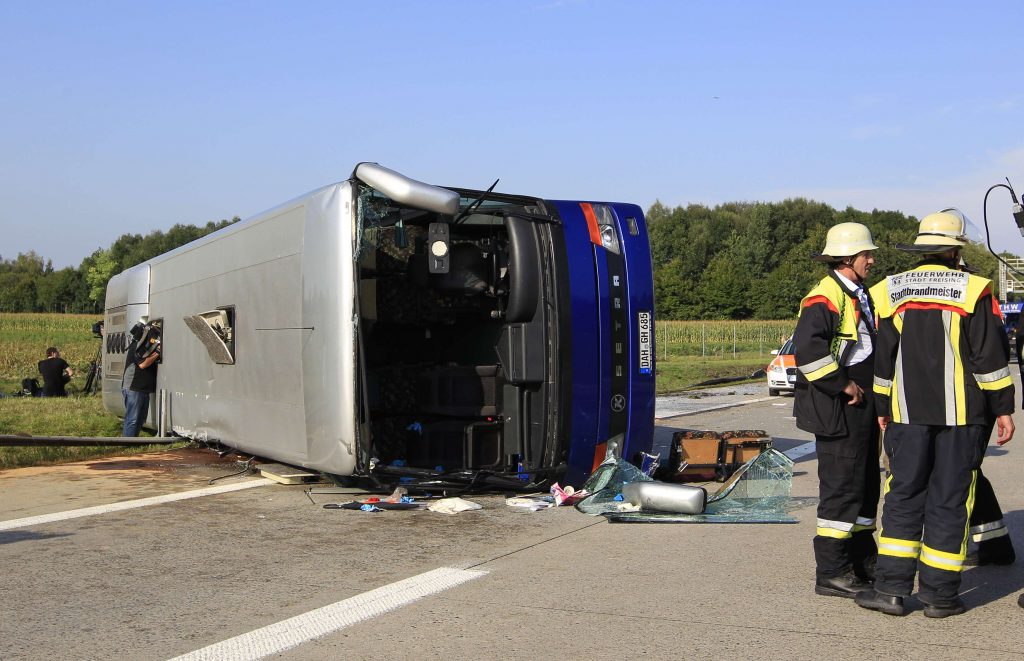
(700,456)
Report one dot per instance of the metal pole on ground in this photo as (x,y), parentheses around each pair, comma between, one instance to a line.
(161,419)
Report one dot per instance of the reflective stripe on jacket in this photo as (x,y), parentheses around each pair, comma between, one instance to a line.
(825,336)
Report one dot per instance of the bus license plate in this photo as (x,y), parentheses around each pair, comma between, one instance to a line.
(645,331)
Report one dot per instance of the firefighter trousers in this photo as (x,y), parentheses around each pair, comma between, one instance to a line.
(930,489)
(987,527)
(848,486)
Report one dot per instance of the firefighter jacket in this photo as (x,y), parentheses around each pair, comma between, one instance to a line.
(825,335)
(941,356)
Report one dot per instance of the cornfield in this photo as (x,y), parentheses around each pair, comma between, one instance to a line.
(25,337)
(720,338)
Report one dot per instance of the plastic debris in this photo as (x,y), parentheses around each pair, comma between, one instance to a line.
(398,500)
(567,495)
(398,496)
(532,503)
(649,463)
(453,506)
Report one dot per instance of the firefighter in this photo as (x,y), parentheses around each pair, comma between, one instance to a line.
(833,343)
(987,528)
(940,367)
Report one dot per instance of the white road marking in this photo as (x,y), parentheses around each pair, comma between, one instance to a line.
(132,504)
(800,451)
(286,634)
(678,414)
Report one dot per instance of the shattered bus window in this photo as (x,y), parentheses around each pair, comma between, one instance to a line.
(759,492)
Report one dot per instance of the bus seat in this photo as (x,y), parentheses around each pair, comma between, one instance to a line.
(462,390)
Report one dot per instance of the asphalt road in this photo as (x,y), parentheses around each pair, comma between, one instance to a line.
(173,578)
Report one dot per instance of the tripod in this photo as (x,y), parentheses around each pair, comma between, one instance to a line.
(94,379)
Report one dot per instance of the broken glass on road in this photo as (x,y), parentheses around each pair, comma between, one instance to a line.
(758,492)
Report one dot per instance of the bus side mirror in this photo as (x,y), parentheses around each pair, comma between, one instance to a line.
(524,269)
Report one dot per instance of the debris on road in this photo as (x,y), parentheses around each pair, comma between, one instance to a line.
(533,503)
(283,474)
(567,495)
(664,497)
(759,492)
(701,456)
(375,505)
(453,506)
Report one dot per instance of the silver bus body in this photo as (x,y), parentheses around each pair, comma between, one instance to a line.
(381,322)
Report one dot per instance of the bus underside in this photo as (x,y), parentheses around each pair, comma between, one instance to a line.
(459,342)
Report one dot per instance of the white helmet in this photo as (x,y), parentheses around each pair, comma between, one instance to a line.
(846,240)
(939,232)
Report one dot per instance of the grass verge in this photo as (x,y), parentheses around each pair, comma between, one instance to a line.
(59,416)
(682,372)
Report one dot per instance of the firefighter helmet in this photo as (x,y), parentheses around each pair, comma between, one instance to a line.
(939,232)
(846,240)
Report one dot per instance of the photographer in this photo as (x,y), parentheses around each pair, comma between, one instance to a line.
(139,380)
(56,373)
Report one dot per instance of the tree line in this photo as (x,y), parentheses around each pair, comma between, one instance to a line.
(29,283)
(746,260)
(738,260)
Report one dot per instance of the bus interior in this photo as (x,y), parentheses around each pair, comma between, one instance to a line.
(458,338)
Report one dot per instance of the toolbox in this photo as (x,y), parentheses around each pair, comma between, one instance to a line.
(701,456)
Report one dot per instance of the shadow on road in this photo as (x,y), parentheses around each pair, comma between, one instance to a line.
(983,585)
(10,537)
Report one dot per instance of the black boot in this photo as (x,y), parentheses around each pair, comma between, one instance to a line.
(865,569)
(998,551)
(1020,600)
(954,606)
(863,554)
(877,601)
(845,585)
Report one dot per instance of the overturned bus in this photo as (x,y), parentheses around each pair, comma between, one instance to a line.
(385,327)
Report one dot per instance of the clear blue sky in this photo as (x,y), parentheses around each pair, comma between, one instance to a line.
(123,117)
